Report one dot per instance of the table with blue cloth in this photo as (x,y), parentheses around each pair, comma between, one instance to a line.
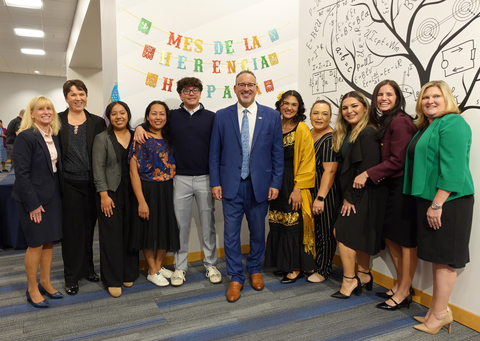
(11,233)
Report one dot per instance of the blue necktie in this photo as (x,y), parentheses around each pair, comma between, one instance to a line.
(245,145)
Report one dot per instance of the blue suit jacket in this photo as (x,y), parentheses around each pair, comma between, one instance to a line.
(266,154)
(34,178)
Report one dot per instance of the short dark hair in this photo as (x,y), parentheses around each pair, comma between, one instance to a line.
(245,71)
(166,134)
(300,116)
(108,111)
(80,85)
(187,82)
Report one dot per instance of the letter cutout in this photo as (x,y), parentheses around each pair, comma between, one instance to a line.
(167,82)
(173,41)
(232,68)
(165,59)
(186,44)
(198,65)
(218,47)
(227,92)
(264,62)
(216,64)
(181,62)
(228,46)
(210,90)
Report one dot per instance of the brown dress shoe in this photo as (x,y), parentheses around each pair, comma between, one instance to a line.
(233,293)
(257,281)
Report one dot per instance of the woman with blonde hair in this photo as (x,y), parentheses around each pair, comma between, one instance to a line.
(37,194)
(437,173)
(358,226)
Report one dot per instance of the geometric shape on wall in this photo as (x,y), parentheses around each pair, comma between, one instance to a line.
(464,10)
(144,26)
(269,85)
(324,81)
(458,58)
(273,34)
(428,31)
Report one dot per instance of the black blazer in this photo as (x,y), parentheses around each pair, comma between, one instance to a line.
(34,178)
(95,125)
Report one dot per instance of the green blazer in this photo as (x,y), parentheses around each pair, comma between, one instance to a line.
(441,160)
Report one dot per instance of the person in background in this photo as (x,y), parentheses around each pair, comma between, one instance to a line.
(79,128)
(111,174)
(437,173)
(191,128)
(395,131)
(358,226)
(152,168)
(12,132)
(324,195)
(291,240)
(246,171)
(37,194)
(3,146)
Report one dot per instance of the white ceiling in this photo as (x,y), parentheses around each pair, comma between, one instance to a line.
(55,19)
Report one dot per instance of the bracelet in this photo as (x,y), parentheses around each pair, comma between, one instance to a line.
(435,206)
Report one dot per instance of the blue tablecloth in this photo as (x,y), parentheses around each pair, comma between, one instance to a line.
(11,233)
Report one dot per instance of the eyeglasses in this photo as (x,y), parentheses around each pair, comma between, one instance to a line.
(187,92)
(248,85)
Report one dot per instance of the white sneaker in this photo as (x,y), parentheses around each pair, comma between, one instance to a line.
(214,275)
(166,273)
(158,279)
(178,278)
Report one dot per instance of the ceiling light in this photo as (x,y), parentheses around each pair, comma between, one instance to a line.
(36,4)
(36,71)
(24,32)
(33,51)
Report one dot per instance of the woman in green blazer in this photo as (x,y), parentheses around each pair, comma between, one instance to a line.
(437,173)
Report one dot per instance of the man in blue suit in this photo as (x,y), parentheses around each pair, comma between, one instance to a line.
(246,170)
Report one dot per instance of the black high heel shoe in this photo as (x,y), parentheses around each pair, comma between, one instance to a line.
(386,296)
(405,303)
(357,290)
(286,280)
(369,285)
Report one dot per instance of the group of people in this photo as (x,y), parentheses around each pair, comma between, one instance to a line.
(378,178)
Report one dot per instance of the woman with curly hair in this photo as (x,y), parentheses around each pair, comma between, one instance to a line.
(291,240)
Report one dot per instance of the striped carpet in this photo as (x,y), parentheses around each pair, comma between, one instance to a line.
(198,310)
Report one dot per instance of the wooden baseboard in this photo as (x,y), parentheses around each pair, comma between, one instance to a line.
(460,315)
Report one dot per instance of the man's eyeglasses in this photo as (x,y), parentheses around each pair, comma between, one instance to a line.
(187,92)
(248,85)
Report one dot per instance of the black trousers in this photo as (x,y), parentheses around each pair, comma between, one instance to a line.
(118,260)
(79,218)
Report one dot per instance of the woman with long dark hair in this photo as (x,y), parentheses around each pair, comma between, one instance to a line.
(395,131)
(152,168)
(118,262)
(291,240)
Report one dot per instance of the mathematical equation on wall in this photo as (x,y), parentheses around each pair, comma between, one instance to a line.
(354,44)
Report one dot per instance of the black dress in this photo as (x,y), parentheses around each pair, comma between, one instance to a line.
(285,249)
(361,231)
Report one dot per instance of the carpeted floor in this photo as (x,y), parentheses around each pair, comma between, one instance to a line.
(198,310)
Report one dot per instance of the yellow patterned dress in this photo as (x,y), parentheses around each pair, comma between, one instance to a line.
(285,247)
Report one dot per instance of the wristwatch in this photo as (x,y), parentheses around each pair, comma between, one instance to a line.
(320,198)
(435,206)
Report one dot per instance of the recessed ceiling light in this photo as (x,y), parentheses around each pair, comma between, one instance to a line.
(33,51)
(36,71)
(24,32)
(36,4)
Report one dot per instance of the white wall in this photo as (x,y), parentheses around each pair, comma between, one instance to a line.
(209,21)
(18,89)
(342,50)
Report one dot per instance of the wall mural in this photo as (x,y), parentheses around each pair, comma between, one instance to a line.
(354,44)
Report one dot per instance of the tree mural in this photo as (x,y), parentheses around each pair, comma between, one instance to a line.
(411,41)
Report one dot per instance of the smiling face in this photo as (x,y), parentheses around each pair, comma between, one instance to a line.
(118,117)
(352,111)
(42,116)
(246,89)
(157,117)
(320,117)
(289,107)
(190,100)
(433,103)
(76,99)
(386,98)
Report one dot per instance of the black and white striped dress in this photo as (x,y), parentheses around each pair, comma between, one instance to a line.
(325,243)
